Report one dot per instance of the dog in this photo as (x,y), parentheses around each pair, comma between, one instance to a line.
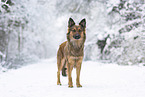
(70,53)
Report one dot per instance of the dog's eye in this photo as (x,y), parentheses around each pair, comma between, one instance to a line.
(80,30)
(74,30)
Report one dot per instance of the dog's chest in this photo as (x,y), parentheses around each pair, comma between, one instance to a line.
(75,60)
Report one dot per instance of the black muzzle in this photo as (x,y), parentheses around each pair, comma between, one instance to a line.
(77,36)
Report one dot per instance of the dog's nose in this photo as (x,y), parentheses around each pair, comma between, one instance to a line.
(77,36)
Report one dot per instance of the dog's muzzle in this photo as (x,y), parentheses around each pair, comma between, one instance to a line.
(77,36)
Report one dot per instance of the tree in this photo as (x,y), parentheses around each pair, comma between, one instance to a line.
(127,46)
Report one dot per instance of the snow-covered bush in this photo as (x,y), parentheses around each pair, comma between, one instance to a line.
(127,46)
(125,49)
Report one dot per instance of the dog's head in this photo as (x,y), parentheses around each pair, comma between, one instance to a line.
(76,32)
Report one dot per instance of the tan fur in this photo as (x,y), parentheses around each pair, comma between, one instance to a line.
(70,53)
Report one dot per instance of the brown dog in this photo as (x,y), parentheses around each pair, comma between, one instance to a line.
(71,52)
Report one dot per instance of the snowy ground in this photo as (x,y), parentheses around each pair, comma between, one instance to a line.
(98,80)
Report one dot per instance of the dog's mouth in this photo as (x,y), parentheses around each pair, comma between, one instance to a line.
(77,36)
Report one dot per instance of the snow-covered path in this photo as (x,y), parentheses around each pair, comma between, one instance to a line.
(97,79)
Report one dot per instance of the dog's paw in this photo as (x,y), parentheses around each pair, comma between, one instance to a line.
(58,83)
(79,86)
(70,86)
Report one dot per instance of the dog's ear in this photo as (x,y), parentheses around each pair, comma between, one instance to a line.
(83,23)
(71,22)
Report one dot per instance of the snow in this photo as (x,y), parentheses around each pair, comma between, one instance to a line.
(98,79)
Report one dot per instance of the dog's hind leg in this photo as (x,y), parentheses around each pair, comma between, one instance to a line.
(60,63)
(58,72)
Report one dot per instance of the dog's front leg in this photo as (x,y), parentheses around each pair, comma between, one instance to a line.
(70,68)
(78,69)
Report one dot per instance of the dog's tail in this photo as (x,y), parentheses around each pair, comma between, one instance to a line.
(64,70)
